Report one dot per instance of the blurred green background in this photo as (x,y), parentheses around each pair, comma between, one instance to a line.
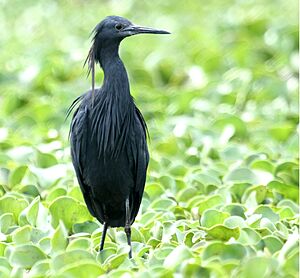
(220,97)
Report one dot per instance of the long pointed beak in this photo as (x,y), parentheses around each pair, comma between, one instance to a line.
(135,29)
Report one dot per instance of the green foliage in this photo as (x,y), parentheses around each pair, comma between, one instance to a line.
(220,99)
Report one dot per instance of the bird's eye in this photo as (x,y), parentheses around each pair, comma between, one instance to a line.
(118,26)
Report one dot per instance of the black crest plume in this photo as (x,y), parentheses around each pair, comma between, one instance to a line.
(90,60)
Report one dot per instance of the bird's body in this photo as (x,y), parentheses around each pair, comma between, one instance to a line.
(108,135)
(109,152)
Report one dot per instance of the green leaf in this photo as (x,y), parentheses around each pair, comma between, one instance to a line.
(29,189)
(267,212)
(258,267)
(212,217)
(241,175)
(273,243)
(40,269)
(55,193)
(80,243)
(76,193)
(25,256)
(186,194)
(17,175)
(85,227)
(230,120)
(3,246)
(209,202)
(264,165)
(286,212)
(163,204)
(116,260)
(290,204)
(47,177)
(154,190)
(249,236)
(4,176)
(136,235)
(207,179)
(235,210)
(289,191)
(224,251)
(83,268)
(260,191)
(22,235)
(267,224)
(291,264)
(69,210)
(177,257)
(45,160)
(222,232)
(6,220)
(282,131)
(45,244)
(192,268)
(29,215)
(69,257)
(238,189)
(59,240)
(4,265)
(234,221)
(12,204)
(105,253)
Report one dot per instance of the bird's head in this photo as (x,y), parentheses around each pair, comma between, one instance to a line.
(107,36)
(116,28)
(111,31)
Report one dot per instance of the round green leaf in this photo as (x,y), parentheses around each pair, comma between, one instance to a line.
(212,217)
(17,175)
(80,243)
(6,220)
(273,243)
(40,269)
(209,202)
(59,240)
(12,204)
(267,212)
(80,269)
(177,257)
(224,251)
(69,257)
(241,175)
(69,210)
(222,232)
(25,256)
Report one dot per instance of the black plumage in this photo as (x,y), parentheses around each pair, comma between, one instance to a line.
(108,133)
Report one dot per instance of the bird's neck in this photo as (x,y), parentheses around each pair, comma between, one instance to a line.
(115,75)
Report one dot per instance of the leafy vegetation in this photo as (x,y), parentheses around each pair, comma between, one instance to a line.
(220,99)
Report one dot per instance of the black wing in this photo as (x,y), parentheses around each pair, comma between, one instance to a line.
(78,139)
(141,160)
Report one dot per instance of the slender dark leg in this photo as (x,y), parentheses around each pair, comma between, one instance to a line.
(103,235)
(127,226)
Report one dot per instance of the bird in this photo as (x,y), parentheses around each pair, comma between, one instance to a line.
(108,134)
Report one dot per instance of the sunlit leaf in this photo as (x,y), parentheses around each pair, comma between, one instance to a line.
(12,204)
(212,217)
(25,256)
(59,240)
(222,232)
(69,210)
(224,251)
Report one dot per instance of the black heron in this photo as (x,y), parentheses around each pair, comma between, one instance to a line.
(108,133)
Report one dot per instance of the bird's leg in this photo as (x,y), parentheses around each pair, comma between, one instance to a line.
(127,226)
(103,235)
